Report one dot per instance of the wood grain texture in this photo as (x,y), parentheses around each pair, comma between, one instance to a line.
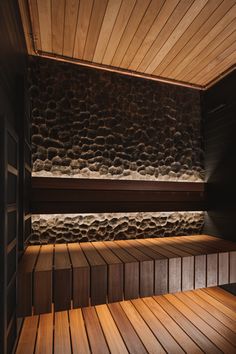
(98,269)
(190,41)
(161,333)
(45,24)
(94,332)
(131,270)
(43,286)
(110,330)
(80,343)
(62,343)
(146,266)
(45,334)
(115,272)
(71,16)
(132,340)
(101,272)
(81,276)
(58,18)
(85,10)
(27,339)
(62,275)
(187,322)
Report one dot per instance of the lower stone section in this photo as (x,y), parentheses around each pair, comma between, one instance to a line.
(58,228)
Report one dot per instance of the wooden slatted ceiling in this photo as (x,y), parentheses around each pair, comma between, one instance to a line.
(186,41)
(199,321)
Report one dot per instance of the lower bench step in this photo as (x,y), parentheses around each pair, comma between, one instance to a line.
(198,321)
(77,275)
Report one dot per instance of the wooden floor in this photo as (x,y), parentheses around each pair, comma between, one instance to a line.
(198,321)
(93,273)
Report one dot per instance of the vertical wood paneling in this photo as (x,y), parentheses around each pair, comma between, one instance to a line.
(159,25)
(71,17)
(119,27)
(195,26)
(224,40)
(208,37)
(130,30)
(58,10)
(109,20)
(98,12)
(225,59)
(185,22)
(141,32)
(85,9)
(44,10)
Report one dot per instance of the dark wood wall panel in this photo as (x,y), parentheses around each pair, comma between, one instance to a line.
(220,151)
(12,72)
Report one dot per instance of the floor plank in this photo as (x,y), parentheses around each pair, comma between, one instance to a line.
(223,296)
(184,322)
(179,334)
(161,333)
(208,318)
(28,336)
(213,310)
(113,337)
(149,340)
(218,304)
(62,334)
(202,325)
(44,344)
(79,339)
(132,340)
(95,334)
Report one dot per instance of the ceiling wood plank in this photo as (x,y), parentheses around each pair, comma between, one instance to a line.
(188,34)
(35,24)
(119,27)
(210,24)
(85,10)
(112,10)
(44,11)
(224,68)
(159,31)
(185,22)
(186,42)
(98,12)
(227,57)
(141,32)
(58,10)
(130,30)
(222,41)
(211,35)
(71,16)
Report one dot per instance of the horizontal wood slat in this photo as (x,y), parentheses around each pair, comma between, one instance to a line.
(61,195)
(99,272)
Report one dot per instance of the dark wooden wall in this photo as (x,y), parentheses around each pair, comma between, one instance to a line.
(219,104)
(12,117)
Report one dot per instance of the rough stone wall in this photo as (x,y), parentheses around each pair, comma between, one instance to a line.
(115,226)
(93,124)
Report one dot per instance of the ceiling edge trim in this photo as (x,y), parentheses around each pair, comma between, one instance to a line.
(116,70)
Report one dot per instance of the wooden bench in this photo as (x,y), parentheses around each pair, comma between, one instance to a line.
(81,274)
